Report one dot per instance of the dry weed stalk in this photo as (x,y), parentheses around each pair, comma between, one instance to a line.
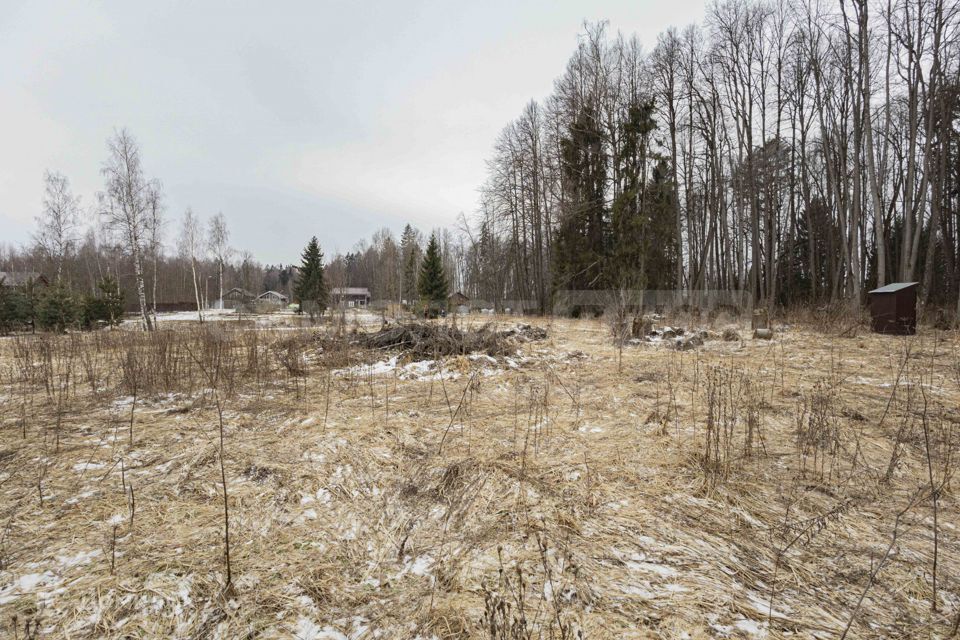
(507,615)
(217,360)
(733,426)
(818,430)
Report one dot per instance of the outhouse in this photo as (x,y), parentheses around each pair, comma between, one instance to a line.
(894,308)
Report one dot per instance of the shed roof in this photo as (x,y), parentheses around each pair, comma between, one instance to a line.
(893,287)
(241,292)
(350,291)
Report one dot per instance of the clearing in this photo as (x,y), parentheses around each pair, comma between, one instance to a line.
(540,487)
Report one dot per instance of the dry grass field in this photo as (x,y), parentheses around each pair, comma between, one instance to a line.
(798,487)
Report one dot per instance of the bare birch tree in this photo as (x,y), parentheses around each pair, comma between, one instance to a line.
(191,248)
(125,206)
(58,225)
(218,241)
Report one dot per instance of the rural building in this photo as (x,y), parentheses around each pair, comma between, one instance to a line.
(350,296)
(893,308)
(22,279)
(272,297)
(459,303)
(234,298)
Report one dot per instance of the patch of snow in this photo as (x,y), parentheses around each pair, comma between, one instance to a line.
(80,496)
(83,466)
(83,557)
(762,605)
(25,584)
(377,368)
(421,565)
(307,629)
(633,590)
(752,627)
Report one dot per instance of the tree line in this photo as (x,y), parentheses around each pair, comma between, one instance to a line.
(114,251)
(787,151)
(796,151)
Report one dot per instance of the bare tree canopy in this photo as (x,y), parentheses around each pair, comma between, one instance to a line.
(218,241)
(58,226)
(126,206)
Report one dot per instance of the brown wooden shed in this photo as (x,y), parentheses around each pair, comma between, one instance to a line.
(894,308)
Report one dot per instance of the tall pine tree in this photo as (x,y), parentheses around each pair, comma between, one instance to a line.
(310,289)
(433,281)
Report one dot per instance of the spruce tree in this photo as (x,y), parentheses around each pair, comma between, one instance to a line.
(410,254)
(57,309)
(107,307)
(433,281)
(311,288)
(12,311)
(583,234)
(632,241)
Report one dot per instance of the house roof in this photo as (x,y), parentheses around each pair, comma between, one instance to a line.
(275,294)
(350,291)
(239,290)
(893,287)
(20,278)
(458,295)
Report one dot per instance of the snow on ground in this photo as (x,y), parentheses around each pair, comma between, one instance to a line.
(425,369)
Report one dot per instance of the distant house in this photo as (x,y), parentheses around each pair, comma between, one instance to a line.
(272,297)
(22,279)
(234,298)
(350,296)
(458,302)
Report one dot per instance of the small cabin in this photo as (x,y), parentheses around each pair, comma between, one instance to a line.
(350,296)
(236,297)
(272,297)
(458,303)
(893,308)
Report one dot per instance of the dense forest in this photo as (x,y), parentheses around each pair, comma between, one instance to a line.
(798,151)
(792,152)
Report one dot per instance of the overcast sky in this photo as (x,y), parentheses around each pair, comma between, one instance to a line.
(293,118)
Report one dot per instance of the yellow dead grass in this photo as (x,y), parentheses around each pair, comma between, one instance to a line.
(419,499)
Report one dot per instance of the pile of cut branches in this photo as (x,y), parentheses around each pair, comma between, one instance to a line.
(425,340)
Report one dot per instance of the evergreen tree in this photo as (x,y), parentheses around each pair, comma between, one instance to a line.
(584,231)
(627,264)
(57,309)
(661,244)
(15,310)
(410,254)
(107,307)
(433,280)
(310,289)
